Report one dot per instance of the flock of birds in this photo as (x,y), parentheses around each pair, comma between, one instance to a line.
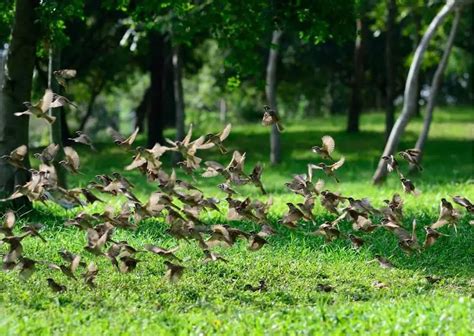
(181,203)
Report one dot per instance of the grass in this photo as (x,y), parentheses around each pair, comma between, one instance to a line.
(211,299)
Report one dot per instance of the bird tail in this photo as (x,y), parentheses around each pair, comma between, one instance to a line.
(222,149)
(49,118)
(280,127)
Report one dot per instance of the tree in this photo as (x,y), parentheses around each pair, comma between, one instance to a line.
(16,89)
(178,94)
(390,66)
(355,106)
(270,91)
(435,86)
(409,104)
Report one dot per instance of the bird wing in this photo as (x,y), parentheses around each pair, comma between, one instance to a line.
(9,219)
(187,138)
(46,100)
(19,153)
(225,132)
(132,136)
(328,143)
(338,164)
(72,156)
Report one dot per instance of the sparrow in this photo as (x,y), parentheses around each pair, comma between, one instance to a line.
(40,109)
(431,236)
(56,287)
(218,138)
(16,157)
(464,202)
(326,149)
(48,154)
(270,117)
(162,252)
(329,170)
(71,160)
(120,140)
(63,75)
(409,187)
(412,156)
(174,271)
(392,163)
(84,139)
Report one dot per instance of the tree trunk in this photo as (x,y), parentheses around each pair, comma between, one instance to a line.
(390,67)
(409,103)
(435,86)
(416,41)
(56,128)
(222,111)
(270,91)
(156,113)
(178,97)
(357,80)
(15,90)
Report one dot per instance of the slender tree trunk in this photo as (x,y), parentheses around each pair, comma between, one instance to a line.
(15,90)
(435,86)
(409,103)
(390,67)
(270,91)
(178,97)
(156,113)
(355,106)
(222,110)
(56,128)
(416,42)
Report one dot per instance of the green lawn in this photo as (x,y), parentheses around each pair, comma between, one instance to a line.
(210,298)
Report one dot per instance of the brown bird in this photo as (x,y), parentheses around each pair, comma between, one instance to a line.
(84,139)
(55,287)
(120,140)
(326,149)
(256,178)
(447,215)
(9,221)
(392,163)
(40,109)
(162,252)
(262,286)
(356,242)
(16,157)
(431,236)
(464,202)
(71,160)
(48,154)
(329,170)
(64,75)
(59,101)
(27,267)
(412,156)
(432,279)
(409,187)
(227,189)
(174,271)
(68,270)
(330,201)
(96,242)
(256,242)
(212,257)
(270,117)
(383,262)
(293,215)
(127,264)
(218,138)
(90,275)
(328,231)
(33,230)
